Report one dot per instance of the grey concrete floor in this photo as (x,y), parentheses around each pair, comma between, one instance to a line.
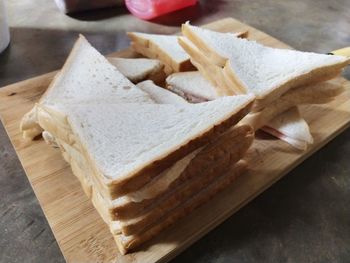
(303,218)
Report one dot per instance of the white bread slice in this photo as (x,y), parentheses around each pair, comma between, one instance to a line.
(290,127)
(139,69)
(85,76)
(212,72)
(146,134)
(160,95)
(265,71)
(192,86)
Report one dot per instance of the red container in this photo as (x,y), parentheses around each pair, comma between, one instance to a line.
(148,9)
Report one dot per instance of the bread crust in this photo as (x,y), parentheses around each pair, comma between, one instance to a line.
(212,72)
(212,161)
(151,50)
(312,94)
(127,244)
(212,56)
(313,77)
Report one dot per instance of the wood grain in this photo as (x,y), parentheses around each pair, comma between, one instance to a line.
(81,233)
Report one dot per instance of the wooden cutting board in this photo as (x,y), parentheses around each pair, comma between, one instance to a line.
(81,233)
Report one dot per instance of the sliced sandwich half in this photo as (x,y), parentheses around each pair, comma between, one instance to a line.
(142,226)
(86,76)
(137,210)
(288,126)
(150,137)
(253,68)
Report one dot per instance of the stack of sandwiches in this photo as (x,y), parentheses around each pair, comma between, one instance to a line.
(268,73)
(147,155)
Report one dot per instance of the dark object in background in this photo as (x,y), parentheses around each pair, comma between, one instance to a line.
(72,6)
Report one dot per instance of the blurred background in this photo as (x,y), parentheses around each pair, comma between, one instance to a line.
(42,36)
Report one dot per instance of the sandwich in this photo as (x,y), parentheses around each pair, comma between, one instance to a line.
(166,49)
(160,203)
(138,70)
(288,126)
(143,155)
(171,187)
(83,54)
(283,121)
(248,67)
(156,93)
